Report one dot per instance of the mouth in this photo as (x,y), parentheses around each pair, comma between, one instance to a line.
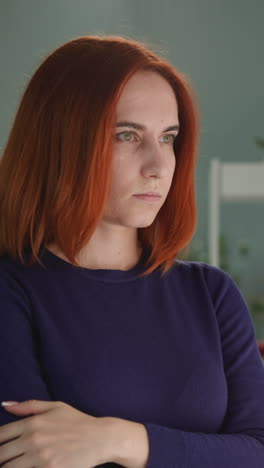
(151,198)
(154,194)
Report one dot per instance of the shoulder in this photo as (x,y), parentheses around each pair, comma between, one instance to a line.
(11,269)
(218,283)
(210,273)
(12,287)
(211,285)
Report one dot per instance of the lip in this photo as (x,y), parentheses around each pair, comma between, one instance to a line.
(154,194)
(150,198)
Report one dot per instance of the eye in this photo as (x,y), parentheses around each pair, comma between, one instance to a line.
(127,136)
(172,139)
(126,133)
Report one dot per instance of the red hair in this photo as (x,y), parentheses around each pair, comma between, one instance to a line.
(55,170)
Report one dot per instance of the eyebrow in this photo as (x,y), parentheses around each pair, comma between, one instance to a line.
(138,126)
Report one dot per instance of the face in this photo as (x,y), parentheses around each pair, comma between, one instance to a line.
(143,159)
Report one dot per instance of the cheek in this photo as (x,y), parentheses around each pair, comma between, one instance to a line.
(119,185)
(123,175)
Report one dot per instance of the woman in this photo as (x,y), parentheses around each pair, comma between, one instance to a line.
(118,351)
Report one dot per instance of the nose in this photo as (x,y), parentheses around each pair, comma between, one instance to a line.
(159,160)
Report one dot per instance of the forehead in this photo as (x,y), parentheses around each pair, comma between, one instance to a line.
(146,92)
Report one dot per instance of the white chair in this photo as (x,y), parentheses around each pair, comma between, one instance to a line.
(230,182)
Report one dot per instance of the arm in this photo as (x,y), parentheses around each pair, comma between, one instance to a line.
(21,377)
(129,443)
(240,443)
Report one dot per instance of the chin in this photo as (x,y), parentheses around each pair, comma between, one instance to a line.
(145,223)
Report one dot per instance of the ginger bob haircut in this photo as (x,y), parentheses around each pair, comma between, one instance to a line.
(55,170)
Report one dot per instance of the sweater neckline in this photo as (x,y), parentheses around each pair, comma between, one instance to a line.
(52,260)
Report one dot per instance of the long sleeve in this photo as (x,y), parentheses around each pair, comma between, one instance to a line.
(240,443)
(64,336)
(21,377)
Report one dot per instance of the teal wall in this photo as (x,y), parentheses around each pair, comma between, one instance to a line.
(218,44)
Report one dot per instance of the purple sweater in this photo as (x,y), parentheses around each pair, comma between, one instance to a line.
(177,354)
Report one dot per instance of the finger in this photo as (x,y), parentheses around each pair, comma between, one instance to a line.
(15,429)
(32,406)
(11,430)
(19,462)
(10,451)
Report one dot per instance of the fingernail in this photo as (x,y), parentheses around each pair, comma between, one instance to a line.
(9,403)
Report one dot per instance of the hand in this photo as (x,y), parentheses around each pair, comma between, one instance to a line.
(56,435)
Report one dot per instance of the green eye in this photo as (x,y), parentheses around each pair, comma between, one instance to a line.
(125,134)
(128,134)
(172,138)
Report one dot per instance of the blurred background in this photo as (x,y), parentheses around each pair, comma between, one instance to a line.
(219,45)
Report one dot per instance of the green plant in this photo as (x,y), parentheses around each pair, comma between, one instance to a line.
(260,143)
(197,252)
